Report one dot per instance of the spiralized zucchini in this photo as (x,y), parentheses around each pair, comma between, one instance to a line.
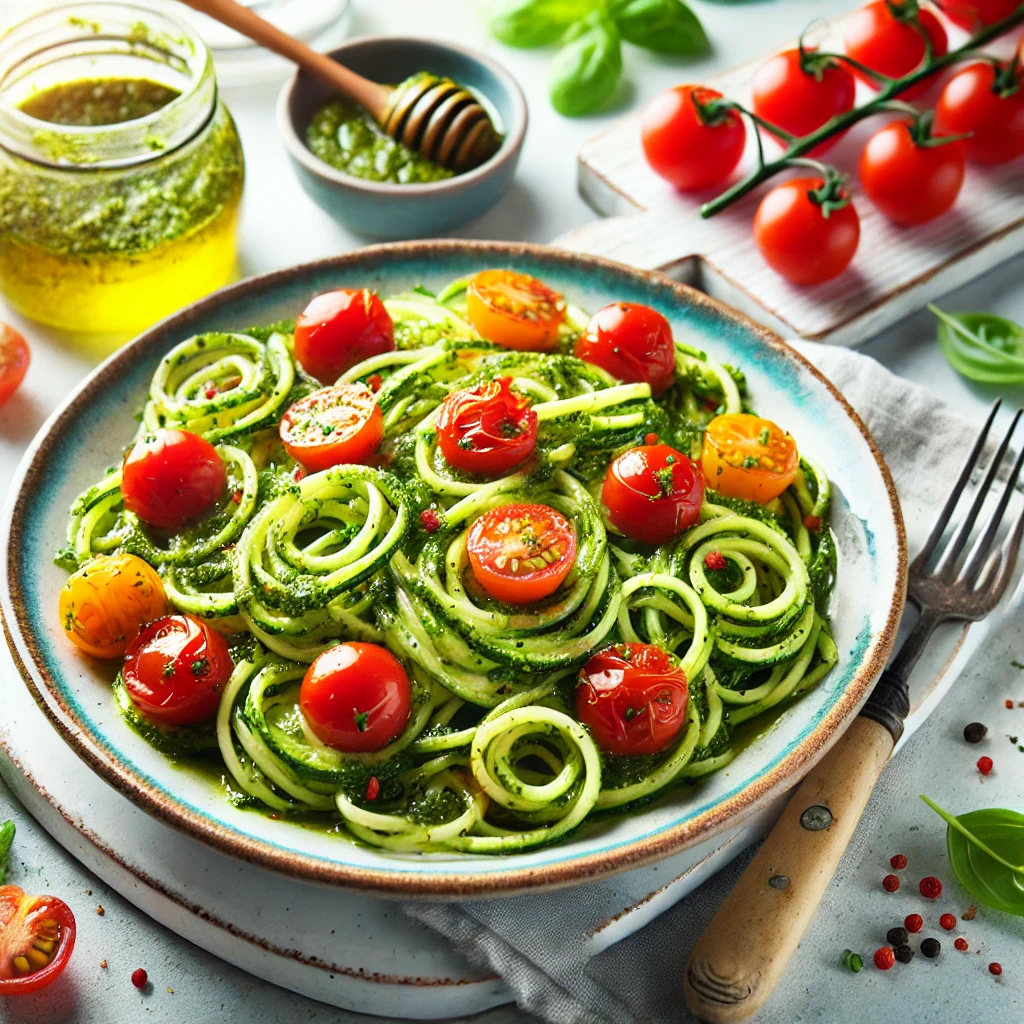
(492,759)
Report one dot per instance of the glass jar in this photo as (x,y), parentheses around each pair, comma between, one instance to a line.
(107,227)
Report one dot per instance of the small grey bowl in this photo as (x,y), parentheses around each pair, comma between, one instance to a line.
(386,210)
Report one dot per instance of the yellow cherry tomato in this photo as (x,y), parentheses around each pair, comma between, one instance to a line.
(515,310)
(106,602)
(748,457)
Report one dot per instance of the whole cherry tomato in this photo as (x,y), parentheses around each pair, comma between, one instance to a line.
(37,937)
(14,358)
(632,342)
(987,102)
(340,424)
(487,430)
(632,698)
(171,478)
(515,310)
(748,457)
(910,183)
(800,93)
(973,14)
(356,697)
(175,669)
(339,329)
(687,142)
(652,493)
(799,238)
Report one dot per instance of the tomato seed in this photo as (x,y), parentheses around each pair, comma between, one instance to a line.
(372,788)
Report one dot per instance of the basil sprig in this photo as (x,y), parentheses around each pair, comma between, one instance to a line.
(588,66)
(982,346)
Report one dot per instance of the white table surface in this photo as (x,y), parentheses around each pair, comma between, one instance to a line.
(281,226)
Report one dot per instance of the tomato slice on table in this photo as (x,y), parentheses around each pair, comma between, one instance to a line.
(488,430)
(14,359)
(37,937)
(521,553)
(333,426)
(748,457)
(632,698)
(175,669)
(356,697)
(515,310)
(171,478)
(632,342)
(652,493)
(339,329)
(986,102)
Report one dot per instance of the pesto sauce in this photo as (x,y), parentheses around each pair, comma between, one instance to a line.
(347,138)
(92,102)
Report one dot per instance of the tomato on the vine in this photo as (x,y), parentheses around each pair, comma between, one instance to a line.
(342,424)
(890,44)
(652,493)
(175,669)
(803,238)
(972,14)
(515,310)
(800,92)
(632,698)
(487,430)
(985,102)
(37,937)
(748,457)
(687,141)
(632,342)
(909,180)
(339,329)
(14,358)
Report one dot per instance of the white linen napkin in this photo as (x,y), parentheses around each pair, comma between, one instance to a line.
(541,944)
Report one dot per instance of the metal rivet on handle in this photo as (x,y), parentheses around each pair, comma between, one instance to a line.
(779,881)
(816,818)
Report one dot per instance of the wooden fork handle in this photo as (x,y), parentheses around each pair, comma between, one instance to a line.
(746,947)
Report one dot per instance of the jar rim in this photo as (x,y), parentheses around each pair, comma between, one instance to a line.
(140,32)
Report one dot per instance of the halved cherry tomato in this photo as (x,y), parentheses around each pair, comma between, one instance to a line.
(632,342)
(652,493)
(14,359)
(37,937)
(356,697)
(488,430)
(910,183)
(175,669)
(339,329)
(798,240)
(685,144)
(632,698)
(170,478)
(515,310)
(890,44)
(521,553)
(986,102)
(333,426)
(972,14)
(800,101)
(108,600)
(748,457)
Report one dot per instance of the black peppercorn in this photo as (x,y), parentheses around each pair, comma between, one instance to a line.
(904,953)
(897,936)
(975,732)
(930,948)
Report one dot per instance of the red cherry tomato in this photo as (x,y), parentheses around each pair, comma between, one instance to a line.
(910,184)
(339,329)
(652,493)
(800,101)
(171,478)
(37,937)
(632,698)
(632,342)
(973,102)
(356,697)
(521,553)
(797,240)
(175,669)
(685,148)
(973,14)
(333,426)
(878,39)
(487,430)
(14,358)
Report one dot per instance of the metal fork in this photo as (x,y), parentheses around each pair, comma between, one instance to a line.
(746,947)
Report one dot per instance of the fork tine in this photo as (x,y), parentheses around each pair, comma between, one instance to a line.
(946,569)
(1008,551)
(925,555)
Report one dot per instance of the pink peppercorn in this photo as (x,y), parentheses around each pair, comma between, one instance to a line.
(984,765)
(884,958)
(931,888)
(913,923)
(948,921)
(995,969)
(890,883)
(899,862)
(139,978)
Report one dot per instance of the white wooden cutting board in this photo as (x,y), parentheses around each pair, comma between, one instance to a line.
(896,270)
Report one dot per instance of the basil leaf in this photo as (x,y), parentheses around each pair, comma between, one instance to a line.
(986,852)
(664,26)
(982,346)
(530,23)
(587,69)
